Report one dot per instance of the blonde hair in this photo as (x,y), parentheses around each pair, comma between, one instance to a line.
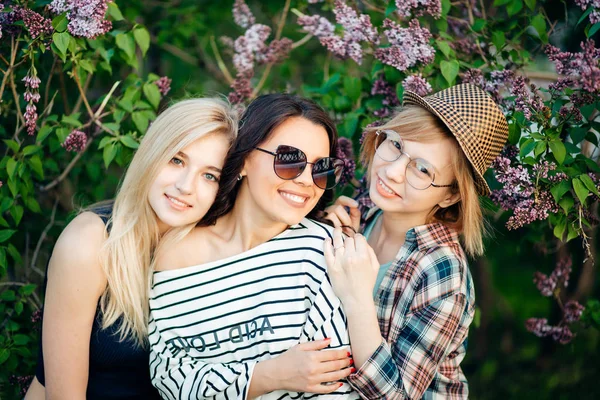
(417,124)
(127,254)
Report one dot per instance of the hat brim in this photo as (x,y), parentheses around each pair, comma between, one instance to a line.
(455,126)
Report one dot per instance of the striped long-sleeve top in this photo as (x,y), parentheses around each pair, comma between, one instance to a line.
(210,324)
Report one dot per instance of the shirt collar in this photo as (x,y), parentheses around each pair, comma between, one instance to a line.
(432,235)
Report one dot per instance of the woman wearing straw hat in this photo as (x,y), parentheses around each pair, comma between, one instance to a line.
(404,282)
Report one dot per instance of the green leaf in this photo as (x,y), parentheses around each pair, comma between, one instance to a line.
(580,190)
(60,23)
(595,28)
(33,205)
(589,184)
(446,5)
(530,4)
(43,133)
(36,164)
(71,120)
(444,48)
(400,92)
(140,121)
(559,150)
(498,39)
(21,339)
(391,7)
(11,167)
(126,43)
(13,145)
(353,88)
(129,141)
(585,15)
(560,189)
(105,140)
(4,355)
(61,41)
(29,150)
(16,213)
(514,7)
(350,124)
(8,295)
(566,203)
(527,147)
(478,25)
(109,153)
(559,229)
(450,70)
(6,234)
(19,310)
(142,38)
(114,12)
(152,94)
(577,134)
(87,65)
(27,289)
(540,147)
(539,24)
(572,233)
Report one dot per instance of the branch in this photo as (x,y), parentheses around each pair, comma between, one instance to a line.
(220,62)
(281,23)
(82,93)
(47,91)
(86,85)
(302,41)
(105,101)
(44,233)
(176,51)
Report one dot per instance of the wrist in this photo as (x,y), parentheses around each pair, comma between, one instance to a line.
(358,304)
(264,378)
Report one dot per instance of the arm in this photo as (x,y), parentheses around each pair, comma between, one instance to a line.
(75,283)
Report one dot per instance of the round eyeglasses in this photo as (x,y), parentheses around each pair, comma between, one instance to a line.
(419,173)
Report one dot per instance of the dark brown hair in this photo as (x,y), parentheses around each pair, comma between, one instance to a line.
(257,124)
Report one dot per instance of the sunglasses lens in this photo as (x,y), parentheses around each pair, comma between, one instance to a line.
(289,162)
(327,172)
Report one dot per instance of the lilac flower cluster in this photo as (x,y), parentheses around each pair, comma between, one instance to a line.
(164,85)
(22,381)
(242,89)
(417,84)
(408,46)
(548,284)
(32,97)
(75,142)
(371,125)
(390,99)
(539,327)
(35,23)
(345,153)
(497,86)
(582,67)
(595,4)
(419,8)
(86,17)
(523,100)
(357,29)
(242,14)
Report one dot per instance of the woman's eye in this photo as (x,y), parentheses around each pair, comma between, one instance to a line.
(176,161)
(397,145)
(211,177)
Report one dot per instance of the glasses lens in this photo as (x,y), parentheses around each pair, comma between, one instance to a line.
(419,174)
(326,172)
(289,162)
(389,145)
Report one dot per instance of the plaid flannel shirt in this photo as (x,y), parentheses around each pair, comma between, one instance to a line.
(425,305)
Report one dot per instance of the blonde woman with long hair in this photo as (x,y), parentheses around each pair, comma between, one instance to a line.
(405,282)
(96,310)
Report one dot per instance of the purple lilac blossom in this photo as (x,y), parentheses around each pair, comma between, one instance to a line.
(316,25)
(416,83)
(345,153)
(75,142)
(419,8)
(32,96)
(390,99)
(581,67)
(408,45)
(164,85)
(242,89)
(242,14)
(86,17)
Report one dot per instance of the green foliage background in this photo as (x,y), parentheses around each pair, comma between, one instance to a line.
(503,359)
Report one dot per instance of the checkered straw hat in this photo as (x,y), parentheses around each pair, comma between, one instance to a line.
(474,119)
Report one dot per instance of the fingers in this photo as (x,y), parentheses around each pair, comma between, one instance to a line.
(314,345)
(333,355)
(328,252)
(325,388)
(355,218)
(338,240)
(332,216)
(346,201)
(337,375)
(331,366)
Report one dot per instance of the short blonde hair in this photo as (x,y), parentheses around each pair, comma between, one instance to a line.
(414,123)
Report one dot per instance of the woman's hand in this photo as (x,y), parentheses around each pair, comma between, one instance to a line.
(337,214)
(305,367)
(352,266)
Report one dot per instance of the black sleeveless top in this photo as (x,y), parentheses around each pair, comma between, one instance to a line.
(118,370)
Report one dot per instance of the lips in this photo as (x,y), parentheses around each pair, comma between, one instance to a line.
(177,203)
(384,190)
(294,199)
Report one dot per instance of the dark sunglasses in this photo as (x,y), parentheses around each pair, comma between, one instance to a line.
(290,162)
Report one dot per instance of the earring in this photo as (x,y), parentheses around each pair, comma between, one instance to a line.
(239,178)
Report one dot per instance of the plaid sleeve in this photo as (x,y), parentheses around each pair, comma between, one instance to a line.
(405,368)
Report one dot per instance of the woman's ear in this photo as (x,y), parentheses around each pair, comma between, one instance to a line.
(450,199)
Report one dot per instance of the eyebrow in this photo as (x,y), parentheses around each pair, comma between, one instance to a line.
(185,156)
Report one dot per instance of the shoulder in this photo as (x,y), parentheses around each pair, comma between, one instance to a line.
(75,258)
(313,228)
